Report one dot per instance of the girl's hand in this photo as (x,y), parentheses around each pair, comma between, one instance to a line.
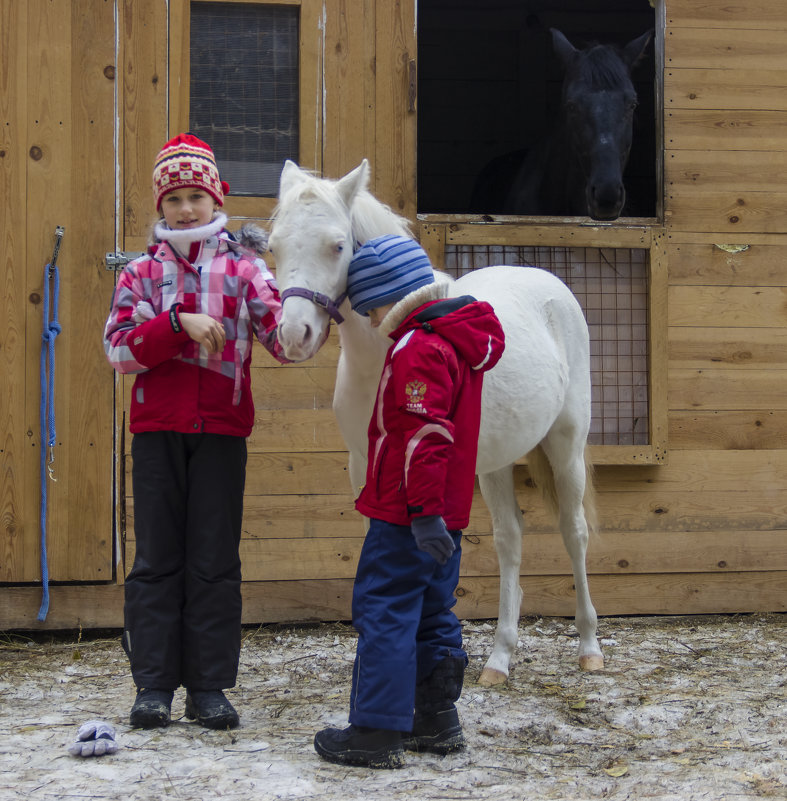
(205,330)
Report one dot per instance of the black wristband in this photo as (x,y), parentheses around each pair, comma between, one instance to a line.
(174,320)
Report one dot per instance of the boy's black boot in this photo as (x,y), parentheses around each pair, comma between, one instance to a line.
(436,725)
(211,709)
(358,745)
(151,709)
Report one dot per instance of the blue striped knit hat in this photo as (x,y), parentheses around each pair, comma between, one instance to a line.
(386,269)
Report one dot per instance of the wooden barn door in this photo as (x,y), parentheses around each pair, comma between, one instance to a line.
(57,168)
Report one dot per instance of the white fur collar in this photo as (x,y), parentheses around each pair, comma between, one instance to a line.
(436,291)
(185,237)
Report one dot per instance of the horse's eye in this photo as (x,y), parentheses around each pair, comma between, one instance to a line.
(339,248)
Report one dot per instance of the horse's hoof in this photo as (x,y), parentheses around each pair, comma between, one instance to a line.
(492,678)
(592,662)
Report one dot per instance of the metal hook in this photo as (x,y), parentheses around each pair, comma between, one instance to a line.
(59,232)
(49,467)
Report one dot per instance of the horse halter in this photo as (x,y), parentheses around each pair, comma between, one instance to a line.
(319,299)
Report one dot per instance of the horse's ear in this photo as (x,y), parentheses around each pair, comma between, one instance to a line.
(291,173)
(352,183)
(564,49)
(635,49)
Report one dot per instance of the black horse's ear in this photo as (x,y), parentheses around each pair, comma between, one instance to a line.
(635,49)
(563,48)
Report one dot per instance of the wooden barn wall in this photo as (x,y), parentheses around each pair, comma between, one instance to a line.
(57,168)
(704,532)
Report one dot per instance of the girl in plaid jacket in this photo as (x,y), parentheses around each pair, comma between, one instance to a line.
(183,319)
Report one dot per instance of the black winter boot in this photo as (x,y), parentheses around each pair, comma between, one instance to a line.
(358,745)
(151,709)
(436,725)
(211,709)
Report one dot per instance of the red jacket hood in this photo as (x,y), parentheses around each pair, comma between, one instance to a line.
(470,325)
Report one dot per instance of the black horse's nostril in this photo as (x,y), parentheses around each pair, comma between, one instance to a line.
(307,332)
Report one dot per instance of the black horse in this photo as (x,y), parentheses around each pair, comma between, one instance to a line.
(578,169)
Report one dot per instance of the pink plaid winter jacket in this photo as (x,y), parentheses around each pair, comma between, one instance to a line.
(180,386)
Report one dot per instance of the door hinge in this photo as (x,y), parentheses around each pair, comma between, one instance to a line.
(118,260)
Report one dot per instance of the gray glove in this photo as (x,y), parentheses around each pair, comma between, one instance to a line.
(96,738)
(431,535)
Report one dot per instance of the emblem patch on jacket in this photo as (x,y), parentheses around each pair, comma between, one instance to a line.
(416,392)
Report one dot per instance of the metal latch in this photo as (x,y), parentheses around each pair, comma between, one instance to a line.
(118,260)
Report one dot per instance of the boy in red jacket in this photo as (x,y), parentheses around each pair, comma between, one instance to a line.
(423,439)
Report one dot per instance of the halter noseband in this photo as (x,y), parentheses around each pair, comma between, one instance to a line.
(319,299)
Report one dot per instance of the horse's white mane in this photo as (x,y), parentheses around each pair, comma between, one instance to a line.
(371,218)
(368,216)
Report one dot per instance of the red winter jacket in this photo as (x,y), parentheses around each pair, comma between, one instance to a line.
(423,435)
(179,385)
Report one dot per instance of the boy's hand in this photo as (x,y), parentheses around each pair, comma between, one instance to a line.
(431,535)
(202,328)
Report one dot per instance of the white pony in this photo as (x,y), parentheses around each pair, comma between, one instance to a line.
(536,400)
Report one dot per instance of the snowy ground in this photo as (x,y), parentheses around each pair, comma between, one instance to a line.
(687,708)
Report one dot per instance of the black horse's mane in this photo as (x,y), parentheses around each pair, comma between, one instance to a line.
(602,66)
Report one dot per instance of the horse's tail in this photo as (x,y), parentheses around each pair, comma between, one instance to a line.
(543,477)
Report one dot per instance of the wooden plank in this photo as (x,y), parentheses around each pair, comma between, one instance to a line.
(741,88)
(296,430)
(648,509)
(760,307)
(18,549)
(714,347)
(86,551)
(293,388)
(748,430)
(709,129)
(729,265)
(291,473)
(672,594)
(726,389)
(624,553)
(311,88)
(752,14)
(712,48)
(101,606)
(143,92)
(291,517)
(734,214)
(712,238)
(51,140)
(393,163)
(701,471)
(711,171)
(349,82)
(589,235)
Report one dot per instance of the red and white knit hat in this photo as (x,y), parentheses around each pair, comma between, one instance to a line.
(187,161)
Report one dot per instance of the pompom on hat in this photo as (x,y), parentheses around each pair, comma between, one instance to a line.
(385,270)
(187,161)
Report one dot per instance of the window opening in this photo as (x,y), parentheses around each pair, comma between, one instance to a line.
(489,96)
(244,97)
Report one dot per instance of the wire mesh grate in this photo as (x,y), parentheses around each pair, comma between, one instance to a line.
(611,285)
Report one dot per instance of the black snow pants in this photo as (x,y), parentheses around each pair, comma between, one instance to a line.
(183,596)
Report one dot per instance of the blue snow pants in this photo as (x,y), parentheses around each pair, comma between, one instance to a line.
(402,610)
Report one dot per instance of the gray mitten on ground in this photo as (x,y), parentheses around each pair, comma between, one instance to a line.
(95,738)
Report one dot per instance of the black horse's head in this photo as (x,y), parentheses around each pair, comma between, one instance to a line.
(598,109)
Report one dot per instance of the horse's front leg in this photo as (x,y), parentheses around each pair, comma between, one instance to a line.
(498,491)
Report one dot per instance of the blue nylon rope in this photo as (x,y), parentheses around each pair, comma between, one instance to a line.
(47,412)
